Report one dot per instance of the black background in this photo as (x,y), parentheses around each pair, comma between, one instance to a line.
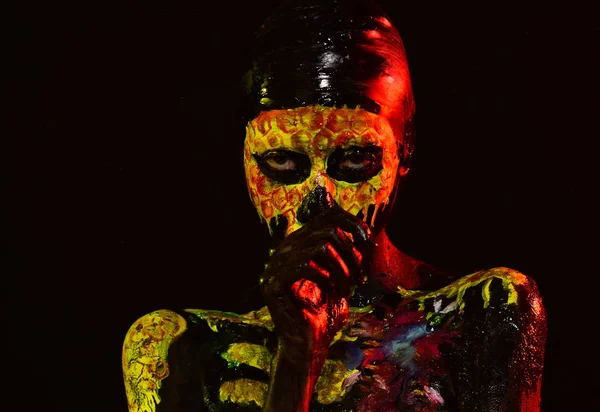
(126,192)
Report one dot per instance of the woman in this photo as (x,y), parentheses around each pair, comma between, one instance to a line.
(351,323)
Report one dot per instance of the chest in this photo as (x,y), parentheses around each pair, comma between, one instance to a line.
(382,360)
(388,360)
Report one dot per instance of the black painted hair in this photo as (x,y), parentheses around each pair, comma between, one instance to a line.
(332,53)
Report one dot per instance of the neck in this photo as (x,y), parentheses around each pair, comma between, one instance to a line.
(391,267)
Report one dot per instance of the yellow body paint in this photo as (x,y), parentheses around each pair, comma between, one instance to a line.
(244,391)
(215,318)
(457,289)
(316,131)
(144,357)
(330,385)
(249,354)
(147,342)
(329,388)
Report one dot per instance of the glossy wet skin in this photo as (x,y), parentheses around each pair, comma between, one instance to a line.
(352,154)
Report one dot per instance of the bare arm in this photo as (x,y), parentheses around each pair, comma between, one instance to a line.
(144,357)
(497,366)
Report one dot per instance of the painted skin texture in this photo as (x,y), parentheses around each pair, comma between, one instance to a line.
(316,131)
(475,344)
(398,354)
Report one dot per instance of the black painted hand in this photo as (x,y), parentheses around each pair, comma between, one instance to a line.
(309,277)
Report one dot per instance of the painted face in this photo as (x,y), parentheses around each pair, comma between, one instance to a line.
(349,154)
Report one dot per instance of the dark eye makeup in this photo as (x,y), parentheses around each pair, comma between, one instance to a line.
(355,164)
(284,166)
(352,164)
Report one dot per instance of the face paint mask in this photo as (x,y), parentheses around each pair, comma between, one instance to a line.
(350,155)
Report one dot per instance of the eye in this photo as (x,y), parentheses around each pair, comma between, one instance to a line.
(280,161)
(357,161)
(355,164)
(284,166)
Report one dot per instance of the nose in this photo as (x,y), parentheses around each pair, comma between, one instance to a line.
(316,202)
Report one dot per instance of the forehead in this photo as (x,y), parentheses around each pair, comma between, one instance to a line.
(318,127)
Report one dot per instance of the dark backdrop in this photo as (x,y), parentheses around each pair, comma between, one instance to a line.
(126,192)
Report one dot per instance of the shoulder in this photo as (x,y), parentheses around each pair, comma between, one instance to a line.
(147,360)
(144,356)
(498,290)
(502,328)
(496,287)
(502,286)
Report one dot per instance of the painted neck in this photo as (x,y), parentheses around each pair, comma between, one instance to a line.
(390,268)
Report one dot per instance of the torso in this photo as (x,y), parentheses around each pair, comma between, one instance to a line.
(409,351)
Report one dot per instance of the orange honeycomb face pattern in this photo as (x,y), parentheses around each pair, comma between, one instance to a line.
(317,131)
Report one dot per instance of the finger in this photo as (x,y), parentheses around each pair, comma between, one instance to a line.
(344,244)
(342,241)
(330,261)
(334,251)
(358,230)
(361,233)
(355,229)
(361,236)
(309,294)
(281,273)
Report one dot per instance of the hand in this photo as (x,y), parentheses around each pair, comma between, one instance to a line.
(309,277)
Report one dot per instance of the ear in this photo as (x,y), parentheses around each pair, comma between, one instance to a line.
(403,170)
(405,154)
(405,149)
